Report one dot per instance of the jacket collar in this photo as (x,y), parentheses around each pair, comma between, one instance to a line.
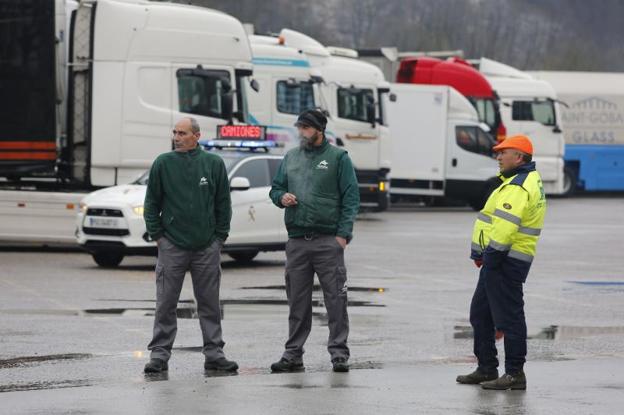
(191,153)
(525,168)
(318,149)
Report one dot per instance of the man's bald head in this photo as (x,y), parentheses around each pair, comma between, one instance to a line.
(186,134)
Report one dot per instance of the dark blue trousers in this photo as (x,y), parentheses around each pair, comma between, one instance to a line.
(498,303)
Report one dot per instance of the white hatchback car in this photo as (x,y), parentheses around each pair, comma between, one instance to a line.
(110,224)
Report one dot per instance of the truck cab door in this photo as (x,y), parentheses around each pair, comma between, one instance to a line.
(469,153)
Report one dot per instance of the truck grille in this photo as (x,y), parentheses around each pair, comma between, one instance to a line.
(113,213)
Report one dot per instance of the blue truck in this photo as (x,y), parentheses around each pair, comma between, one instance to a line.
(593,126)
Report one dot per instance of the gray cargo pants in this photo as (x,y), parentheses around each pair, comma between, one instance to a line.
(322,255)
(205,266)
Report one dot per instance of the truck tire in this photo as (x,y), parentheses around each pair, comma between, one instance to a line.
(243,257)
(107,259)
(569,181)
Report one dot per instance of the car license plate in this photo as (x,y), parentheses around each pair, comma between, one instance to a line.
(111,223)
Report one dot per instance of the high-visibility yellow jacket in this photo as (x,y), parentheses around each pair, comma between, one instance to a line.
(511,222)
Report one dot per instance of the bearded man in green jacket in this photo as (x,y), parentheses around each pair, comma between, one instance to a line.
(188,212)
(317,187)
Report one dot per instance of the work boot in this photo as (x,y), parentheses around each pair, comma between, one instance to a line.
(156,366)
(221,364)
(340,364)
(507,381)
(287,365)
(477,377)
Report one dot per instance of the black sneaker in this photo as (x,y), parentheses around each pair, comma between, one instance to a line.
(221,364)
(477,377)
(286,365)
(340,364)
(156,366)
(507,381)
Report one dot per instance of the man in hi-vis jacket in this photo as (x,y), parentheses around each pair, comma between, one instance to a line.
(503,245)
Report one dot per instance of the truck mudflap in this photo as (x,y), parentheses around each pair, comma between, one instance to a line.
(374,189)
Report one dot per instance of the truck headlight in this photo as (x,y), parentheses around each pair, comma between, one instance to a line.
(138,210)
(83,207)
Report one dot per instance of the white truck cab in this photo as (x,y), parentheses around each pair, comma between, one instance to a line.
(530,107)
(439,147)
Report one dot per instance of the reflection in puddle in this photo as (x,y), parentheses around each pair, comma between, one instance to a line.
(26,360)
(31,386)
(218,374)
(318,288)
(156,377)
(551,332)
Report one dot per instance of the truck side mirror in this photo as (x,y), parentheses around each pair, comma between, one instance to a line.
(240,184)
(255,85)
(227,103)
(370,113)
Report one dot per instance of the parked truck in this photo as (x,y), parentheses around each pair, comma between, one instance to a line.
(351,93)
(91,92)
(593,127)
(440,149)
(530,106)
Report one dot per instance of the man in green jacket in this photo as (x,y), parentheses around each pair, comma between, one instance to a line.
(188,212)
(317,187)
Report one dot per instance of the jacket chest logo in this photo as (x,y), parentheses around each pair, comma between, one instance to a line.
(323,165)
(203,181)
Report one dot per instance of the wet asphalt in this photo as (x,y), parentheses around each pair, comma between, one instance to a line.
(73,336)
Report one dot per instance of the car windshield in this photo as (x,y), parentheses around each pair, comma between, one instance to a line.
(230,160)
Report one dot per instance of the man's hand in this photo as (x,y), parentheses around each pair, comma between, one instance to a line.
(341,241)
(478,262)
(289,200)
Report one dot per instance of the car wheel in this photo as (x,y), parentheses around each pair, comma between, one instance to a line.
(243,257)
(107,259)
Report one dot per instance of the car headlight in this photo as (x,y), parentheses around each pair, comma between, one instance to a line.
(83,207)
(138,210)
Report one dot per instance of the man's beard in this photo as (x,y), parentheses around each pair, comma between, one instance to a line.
(307,142)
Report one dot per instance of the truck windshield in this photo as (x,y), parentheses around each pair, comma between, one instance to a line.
(353,103)
(542,112)
(294,97)
(202,94)
(487,112)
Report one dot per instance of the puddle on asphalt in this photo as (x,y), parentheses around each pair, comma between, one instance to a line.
(552,332)
(28,360)
(32,386)
(318,288)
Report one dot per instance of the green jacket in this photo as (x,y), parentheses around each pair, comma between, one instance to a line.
(324,182)
(188,199)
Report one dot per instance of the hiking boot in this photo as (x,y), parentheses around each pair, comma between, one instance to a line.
(507,381)
(286,365)
(156,366)
(340,364)
(477,377)
(221,364)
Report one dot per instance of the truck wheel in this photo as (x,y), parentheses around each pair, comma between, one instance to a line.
(243,257)
(107,259)
(569,181)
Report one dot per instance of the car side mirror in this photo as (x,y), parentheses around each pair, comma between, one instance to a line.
(240,184)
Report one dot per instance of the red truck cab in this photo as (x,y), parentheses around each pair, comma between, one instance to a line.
(463,77)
